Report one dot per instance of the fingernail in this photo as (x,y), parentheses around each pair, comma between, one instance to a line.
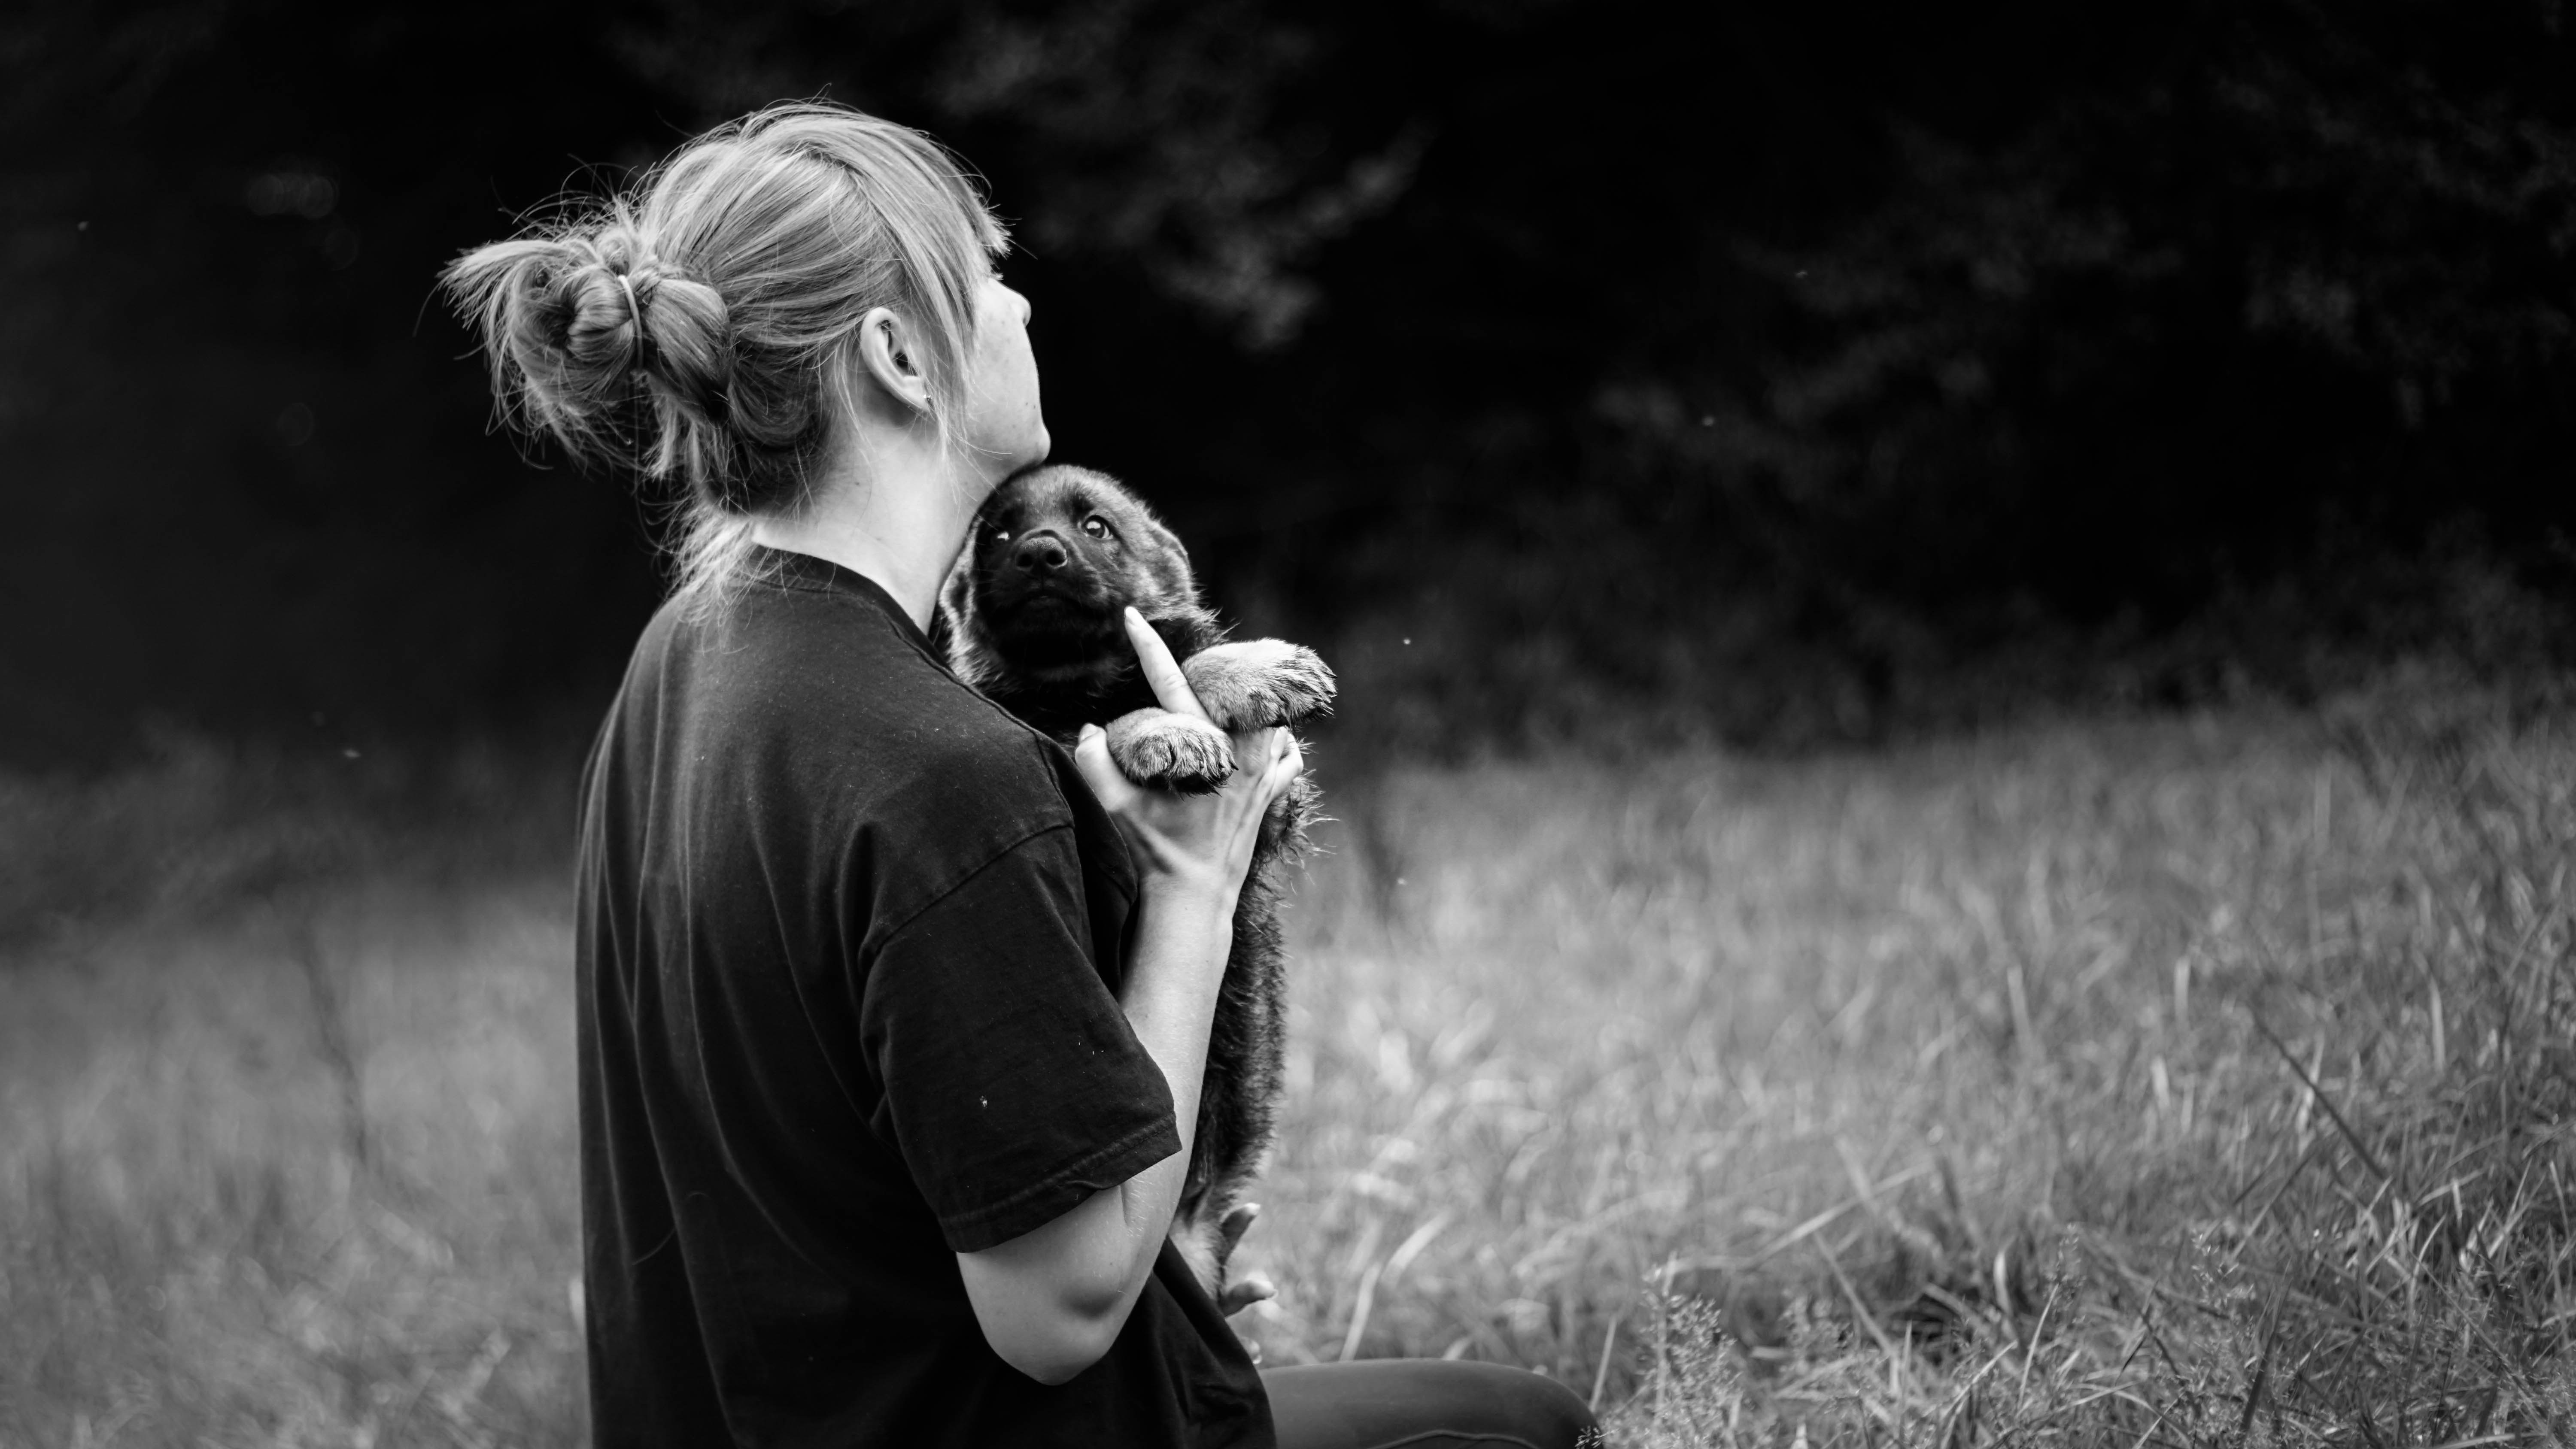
(1086,732)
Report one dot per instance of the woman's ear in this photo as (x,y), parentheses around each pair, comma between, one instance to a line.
(888,358)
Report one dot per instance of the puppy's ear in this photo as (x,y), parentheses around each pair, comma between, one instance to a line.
(1166,562)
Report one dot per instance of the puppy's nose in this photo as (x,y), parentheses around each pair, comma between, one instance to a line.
(1039,553)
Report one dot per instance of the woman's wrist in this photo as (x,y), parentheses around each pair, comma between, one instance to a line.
(1182,897)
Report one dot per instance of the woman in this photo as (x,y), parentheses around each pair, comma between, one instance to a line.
(890,1045)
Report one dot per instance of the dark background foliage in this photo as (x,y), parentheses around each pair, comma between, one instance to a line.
(1759,372)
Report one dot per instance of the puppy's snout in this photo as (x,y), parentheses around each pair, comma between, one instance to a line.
(1039,553)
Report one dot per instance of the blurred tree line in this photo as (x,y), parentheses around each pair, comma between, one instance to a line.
(1764,372)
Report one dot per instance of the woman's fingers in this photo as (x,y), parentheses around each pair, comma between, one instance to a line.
(1171,688)
(1288,766)
(1284,760)
(1209,838)
(1267,762)
(1258,751)
(1091,758)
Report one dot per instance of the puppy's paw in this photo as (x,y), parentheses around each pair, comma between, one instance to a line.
(1259,683)
(1231,1228)
(1241,1293)
(1167,751)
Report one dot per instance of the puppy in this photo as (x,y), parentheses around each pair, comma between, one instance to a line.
(1033,619)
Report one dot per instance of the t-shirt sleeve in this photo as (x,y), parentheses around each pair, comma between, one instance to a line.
(1013,1082)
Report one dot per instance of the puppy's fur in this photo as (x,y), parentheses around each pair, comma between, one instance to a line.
(1033,619)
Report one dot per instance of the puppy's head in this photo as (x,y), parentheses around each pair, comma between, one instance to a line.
(1053,558)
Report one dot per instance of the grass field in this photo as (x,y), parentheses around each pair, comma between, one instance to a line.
(2195,1082)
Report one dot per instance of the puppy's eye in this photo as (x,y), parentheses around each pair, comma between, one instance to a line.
(1096,526)
(998,535)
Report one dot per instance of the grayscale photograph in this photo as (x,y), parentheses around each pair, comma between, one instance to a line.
(1441,724)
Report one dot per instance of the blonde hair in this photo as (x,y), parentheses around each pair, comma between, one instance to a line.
(697,327)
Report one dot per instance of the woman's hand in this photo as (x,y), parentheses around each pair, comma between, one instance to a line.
(1199,844)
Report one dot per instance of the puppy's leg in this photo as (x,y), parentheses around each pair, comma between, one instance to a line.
(1260,682)
(1207,1237)
(1170,751)
(1241,1293)
(1198,1237)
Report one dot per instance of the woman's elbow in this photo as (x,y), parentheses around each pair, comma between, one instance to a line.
(1053,1300)
(1053,1347)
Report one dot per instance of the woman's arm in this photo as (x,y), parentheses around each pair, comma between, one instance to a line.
(1052,1300)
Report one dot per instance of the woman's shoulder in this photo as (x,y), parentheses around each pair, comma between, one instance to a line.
(927,782)
(858,694)
(818,730)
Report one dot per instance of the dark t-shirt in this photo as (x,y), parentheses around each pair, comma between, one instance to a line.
(848,943)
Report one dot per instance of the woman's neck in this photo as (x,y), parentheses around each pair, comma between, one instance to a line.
(894,510)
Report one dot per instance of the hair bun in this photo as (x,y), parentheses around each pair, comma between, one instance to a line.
(685,349)
(578,321)
(624,314)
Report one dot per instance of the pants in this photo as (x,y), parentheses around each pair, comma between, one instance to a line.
(1421,1403)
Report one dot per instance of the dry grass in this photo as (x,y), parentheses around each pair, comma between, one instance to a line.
(2180,1083)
